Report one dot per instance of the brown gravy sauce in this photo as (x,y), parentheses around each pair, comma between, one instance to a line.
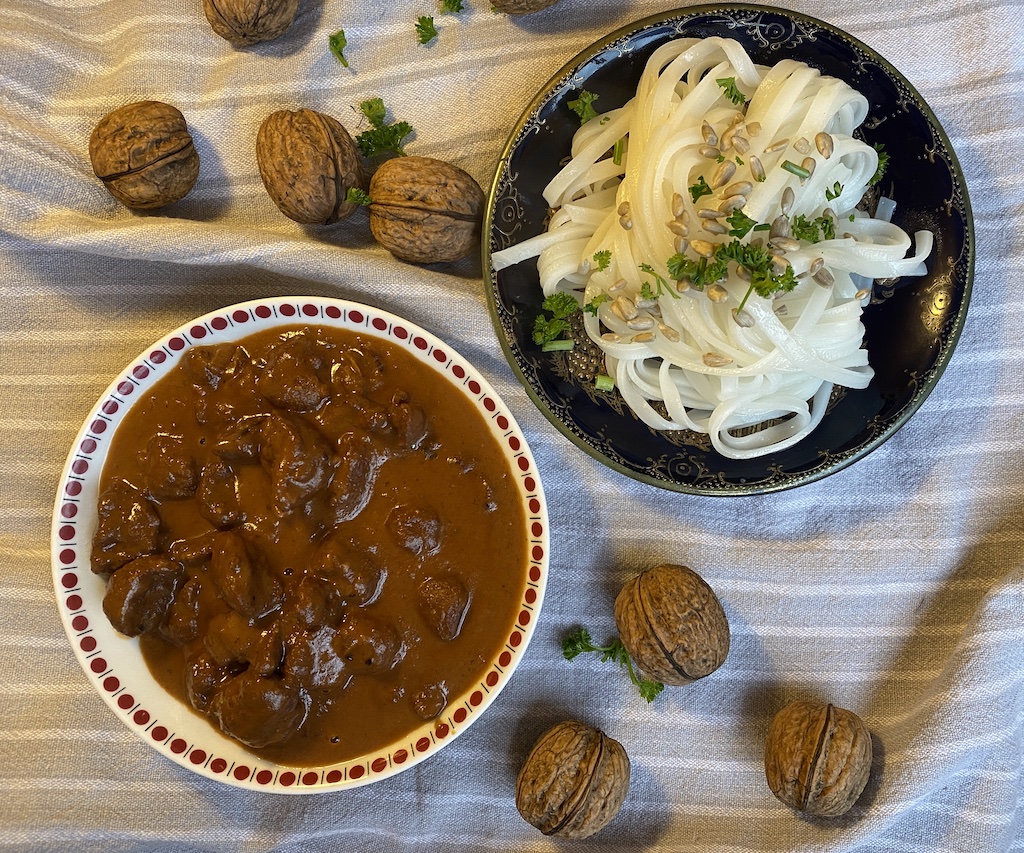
(315,538)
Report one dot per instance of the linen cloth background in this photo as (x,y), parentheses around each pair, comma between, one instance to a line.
(894,588)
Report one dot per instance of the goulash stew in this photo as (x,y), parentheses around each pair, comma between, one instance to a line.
(315,537)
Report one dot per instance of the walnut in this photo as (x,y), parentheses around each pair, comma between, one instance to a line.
(573,782)
(246,22)
(308,163)
(817,758)
(425,211)
(521,7)
(144,154)
(672,624)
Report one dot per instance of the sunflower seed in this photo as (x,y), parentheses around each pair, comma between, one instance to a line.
(711,359)
(824,278)
(756,169)
(643,338)
(863,293)
(717,293)
(611,337)
(788,199)
(742,273)
(641,323)
(808,163)
(713,226)
(802,145)
(678,205)
(709,134)
(678,228)
(740,144)
(825,144)
(624,209)
(742,318)
(738,188)
(784,244)
(779,265)
(723,174)
(703,248)
(754,128)
(780,226)
(624,309)
(781,310)
(683,284)
(815,266)
(680,244)
(777,145)
(617,286)
(625,222)
(584,266)
(709,151)
(731,203)
(708,213)
(669,333)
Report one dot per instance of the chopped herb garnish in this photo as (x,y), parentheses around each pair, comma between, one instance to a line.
(560,306)
(648,292)
(426,32)
(835,192)
(382,138)
(599,300)
(728,85)
(618,149)
(579,642)
(794,169)
(699,189)
(739,161)
(451,7)
(357,196)
(583,106)
(741,223)
(338,43)
(755,258)
(603,382)
(883,163)
(560,345)
(812,230)
(602,258)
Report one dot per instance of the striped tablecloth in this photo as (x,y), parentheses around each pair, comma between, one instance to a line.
(894,588)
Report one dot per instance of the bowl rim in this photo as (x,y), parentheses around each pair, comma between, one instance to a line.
(126,685)
(602,45)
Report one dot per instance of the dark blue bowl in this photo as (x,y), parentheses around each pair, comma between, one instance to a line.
(912,324)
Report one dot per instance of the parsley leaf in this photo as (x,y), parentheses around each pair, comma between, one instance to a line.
(835,192)
(699,189)
(728,85)
(648,292)
(357,196)
(883,164)
(425,29)
(451,6)
(338,43)
(592,306)
(382,138)
(740,222)
(561,306)
(579,642)
(602,258)
(812,230)
(583,106)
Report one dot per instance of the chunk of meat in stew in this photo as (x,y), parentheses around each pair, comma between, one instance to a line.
(244,585)
(128,527)
(444,602)
(257,710)
(298,460)
(139,594)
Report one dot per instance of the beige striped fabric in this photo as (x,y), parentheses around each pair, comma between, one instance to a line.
(894,588)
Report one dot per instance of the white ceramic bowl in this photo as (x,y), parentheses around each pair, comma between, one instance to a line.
(113,663)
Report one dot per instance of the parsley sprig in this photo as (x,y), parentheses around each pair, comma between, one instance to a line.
(583,106)
(732,92)
(560,307)
(426,32)
(337,43)
(579,642)
(883,163)
(381,138)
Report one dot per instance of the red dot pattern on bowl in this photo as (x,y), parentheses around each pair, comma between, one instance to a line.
(68,560)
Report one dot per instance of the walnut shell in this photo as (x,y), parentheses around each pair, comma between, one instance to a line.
(817,758)
(574,781)
(521,7)
(672,624)
(144,154)
(308,163)
(425,211)
(246,22)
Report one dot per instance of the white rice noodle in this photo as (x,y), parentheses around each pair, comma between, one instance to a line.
(762,386)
